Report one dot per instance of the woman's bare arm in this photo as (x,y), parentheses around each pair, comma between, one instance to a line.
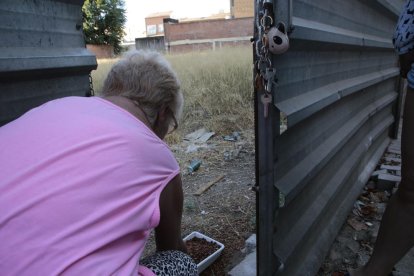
(168,232)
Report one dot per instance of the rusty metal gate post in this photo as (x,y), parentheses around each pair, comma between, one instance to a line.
(266,204)
(267,125)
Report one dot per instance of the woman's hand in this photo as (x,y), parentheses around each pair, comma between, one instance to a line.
(405,63)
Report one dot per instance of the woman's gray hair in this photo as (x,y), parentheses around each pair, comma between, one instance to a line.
(145,77)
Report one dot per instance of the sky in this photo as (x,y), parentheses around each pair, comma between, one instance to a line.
(137,10)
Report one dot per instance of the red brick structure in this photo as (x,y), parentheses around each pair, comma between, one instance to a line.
(241,8)
(208,34)
(154,24)
(101,51)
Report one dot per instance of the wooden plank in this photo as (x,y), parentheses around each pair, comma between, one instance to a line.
(208,185)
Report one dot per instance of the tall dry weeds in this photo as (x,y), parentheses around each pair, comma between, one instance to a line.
(217,88)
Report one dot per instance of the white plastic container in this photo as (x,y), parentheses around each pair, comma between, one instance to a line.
(210,259)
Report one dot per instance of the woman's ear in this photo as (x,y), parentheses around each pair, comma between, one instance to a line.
(162,122)
(163,113)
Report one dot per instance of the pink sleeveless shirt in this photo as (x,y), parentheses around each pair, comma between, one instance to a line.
(80,181)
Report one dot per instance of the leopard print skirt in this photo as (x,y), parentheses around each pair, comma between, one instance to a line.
(171,263)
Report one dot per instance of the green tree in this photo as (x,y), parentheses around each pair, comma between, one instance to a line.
(103,22)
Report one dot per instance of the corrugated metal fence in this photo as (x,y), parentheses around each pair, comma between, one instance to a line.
(338,94)
(42,54)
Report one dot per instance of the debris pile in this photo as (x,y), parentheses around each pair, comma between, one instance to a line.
(354,244)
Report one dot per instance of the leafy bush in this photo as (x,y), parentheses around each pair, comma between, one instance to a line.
(103,22)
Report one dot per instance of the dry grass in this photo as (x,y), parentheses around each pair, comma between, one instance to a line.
(217,88)
(99,75)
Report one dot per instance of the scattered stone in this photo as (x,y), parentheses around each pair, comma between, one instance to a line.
(373,197)
(381,207)
(335,255)
(356,212)
(395,146)
(235,136)
(361,235)
(369,224)
(197,140)
(382,196)
(232,154)
(353,245)
(357,225)
(358,204)
(388,194)
(199,136)
(369,210)
(387,181)
(395,151)
(390,168)
(250,244)
(393,155)
(378,172)
(342,240)
(392,159)
(189,204)
(362,259)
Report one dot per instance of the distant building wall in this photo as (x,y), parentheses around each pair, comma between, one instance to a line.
(154,24)
(208,34)
(101,51)
(153,43)
(241,8)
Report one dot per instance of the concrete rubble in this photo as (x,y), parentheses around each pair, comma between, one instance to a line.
(197,140)
(354,244)
(247,267)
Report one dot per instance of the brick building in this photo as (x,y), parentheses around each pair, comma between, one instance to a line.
(241,8)
(208,34)
(189,34)
(154,23)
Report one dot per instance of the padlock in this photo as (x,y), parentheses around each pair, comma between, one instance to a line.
(268,4)
(278,39)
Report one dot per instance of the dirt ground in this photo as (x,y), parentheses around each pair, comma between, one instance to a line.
(226,211)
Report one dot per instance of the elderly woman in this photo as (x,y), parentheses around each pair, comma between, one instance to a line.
(85,180)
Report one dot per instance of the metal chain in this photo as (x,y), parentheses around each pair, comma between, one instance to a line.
(91,90)
(264,64)
(265,71)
